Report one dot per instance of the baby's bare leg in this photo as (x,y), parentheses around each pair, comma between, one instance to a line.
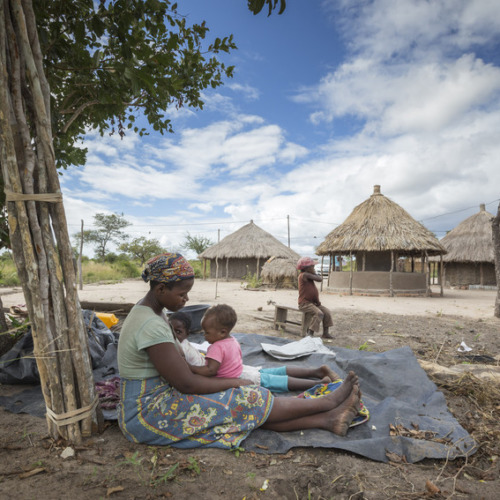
(328,372)
(312,373)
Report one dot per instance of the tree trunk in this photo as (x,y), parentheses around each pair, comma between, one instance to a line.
(38,229)
(495,225)
(7,341)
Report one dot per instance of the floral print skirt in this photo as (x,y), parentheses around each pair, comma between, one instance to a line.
(153,412)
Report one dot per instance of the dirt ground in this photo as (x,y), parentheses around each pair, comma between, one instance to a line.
(107,465)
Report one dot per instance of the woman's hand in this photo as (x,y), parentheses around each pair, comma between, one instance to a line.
(244,381)
(174,369)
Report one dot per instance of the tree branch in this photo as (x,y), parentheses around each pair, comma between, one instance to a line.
(77,114)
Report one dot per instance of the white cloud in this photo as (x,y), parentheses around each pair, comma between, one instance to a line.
(251,93)
(410,98)
(385,30)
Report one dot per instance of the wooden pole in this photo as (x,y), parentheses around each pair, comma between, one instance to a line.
(217,264)
(350,272)
(495,226)
(332,256)
(322,260)
(428,274)
(441,274)
(288,223)
(80,258)
(38,229)
(391,288)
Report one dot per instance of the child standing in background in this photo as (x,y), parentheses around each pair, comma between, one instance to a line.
(224,358)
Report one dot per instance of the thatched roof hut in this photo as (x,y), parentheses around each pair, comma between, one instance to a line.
(470,259)
(377,234)
(280,272)
(244,251)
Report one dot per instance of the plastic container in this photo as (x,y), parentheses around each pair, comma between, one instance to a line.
(108,319)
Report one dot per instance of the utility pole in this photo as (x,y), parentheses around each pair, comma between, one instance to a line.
(288,223)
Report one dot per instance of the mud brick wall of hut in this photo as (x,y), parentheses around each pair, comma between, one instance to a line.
(469,273)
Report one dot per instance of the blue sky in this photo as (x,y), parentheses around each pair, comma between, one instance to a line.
(328,99)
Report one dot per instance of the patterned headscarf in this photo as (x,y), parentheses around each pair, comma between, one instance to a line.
(167,268)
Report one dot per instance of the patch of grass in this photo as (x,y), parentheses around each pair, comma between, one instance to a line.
(135,460)
(8,272)
(194,466)
(92,271)
(169,475)
(364,347)
(252,281)
(237,451)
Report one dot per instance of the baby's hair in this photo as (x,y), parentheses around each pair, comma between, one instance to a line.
(183,318)
(224,315)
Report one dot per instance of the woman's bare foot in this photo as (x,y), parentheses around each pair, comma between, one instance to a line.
(345,413)
(325,380)
(339,395)
(326,371)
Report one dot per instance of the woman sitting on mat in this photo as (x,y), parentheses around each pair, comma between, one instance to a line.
(164,403)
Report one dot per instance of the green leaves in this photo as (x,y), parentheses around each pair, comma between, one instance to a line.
(256,6)
(121,58)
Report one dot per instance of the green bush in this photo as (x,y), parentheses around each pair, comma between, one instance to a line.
(127,269)
(8,271)
(197,266)
(252,280)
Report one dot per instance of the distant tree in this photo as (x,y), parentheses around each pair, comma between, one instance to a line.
(197,244)
(108,230)
(142,248)
(495,224)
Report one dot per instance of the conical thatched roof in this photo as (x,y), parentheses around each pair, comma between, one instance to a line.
(280,267)
(471,240)
(249,241)
(378,224)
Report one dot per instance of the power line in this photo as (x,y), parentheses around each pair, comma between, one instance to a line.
(220,223)
(457,211)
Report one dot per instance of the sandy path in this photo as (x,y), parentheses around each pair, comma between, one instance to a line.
(467,303)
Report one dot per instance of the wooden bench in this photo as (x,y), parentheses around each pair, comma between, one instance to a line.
(281,318)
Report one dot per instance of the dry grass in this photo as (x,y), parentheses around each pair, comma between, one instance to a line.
(250,241)
(481,420)
(471,240)
(378,224)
